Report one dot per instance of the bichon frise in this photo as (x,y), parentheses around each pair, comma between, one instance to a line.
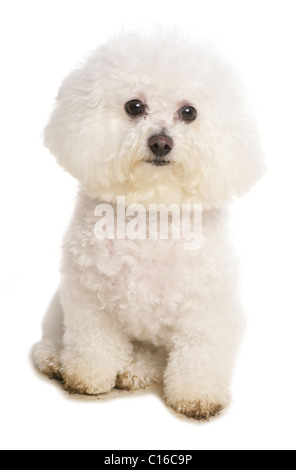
(157,122)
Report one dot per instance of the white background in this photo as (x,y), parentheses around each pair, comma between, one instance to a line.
(40,42)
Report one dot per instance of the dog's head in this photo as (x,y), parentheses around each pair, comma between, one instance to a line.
(155,119)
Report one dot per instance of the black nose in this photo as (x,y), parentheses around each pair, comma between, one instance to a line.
(160,144)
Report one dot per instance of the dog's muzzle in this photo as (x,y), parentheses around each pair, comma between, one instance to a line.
(160,145)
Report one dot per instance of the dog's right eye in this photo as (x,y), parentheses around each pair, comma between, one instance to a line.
(134,108)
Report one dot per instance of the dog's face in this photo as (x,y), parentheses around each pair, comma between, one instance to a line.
(156,120)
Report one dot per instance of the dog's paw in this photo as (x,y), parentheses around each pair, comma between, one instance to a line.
(127,381)
(79,379)
(200,403)
(46,359)
(140,374)
(198,409)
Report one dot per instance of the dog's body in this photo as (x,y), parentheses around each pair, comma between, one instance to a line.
(132,312)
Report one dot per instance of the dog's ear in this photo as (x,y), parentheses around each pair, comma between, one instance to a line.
(75,129)
(238,154)
(230,156)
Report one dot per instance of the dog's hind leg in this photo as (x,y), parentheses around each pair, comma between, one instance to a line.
(46,353)
(147,368)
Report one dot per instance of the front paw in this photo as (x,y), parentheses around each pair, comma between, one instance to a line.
(46,356)
(81,379)
(198,409)
(200,404)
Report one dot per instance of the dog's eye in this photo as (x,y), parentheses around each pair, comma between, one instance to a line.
(134,108)
(188,113)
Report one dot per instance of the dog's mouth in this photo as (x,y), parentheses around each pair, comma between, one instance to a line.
(158,161)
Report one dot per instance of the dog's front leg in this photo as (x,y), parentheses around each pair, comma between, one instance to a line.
(94,350)
(198,375)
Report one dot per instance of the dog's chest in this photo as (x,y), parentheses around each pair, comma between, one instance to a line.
(150,272)
(144,284)
(149,283)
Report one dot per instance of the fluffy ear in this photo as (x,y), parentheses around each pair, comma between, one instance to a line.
(238,159)
(231,158)
(75,131)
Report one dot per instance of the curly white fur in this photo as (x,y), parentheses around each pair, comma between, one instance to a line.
(122,303)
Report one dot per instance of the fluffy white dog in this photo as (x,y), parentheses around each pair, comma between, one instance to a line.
(157,120)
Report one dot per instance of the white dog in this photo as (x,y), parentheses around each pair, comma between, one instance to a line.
(157,120)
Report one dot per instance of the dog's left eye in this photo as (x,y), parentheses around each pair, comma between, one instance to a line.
(188,113)
(135,108)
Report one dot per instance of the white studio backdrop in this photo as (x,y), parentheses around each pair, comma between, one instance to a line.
(40,42)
